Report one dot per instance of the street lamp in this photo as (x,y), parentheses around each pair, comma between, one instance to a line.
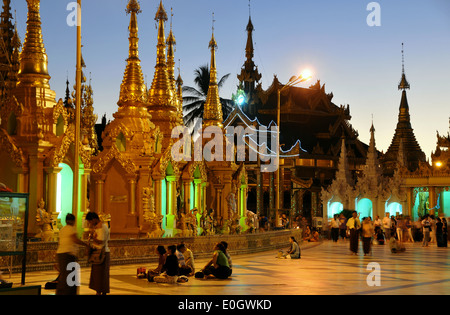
(305,76)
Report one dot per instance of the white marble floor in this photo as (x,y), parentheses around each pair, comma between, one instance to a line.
(324,269)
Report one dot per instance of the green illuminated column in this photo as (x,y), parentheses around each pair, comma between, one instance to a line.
(198,187)
(171,204)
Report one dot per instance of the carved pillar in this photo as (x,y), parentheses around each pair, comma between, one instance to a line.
(271,195)
(132,193)
(259,191)
(219,209)
(158,191)
(99,190)
(432,199)
(204,184)
(52,178)
(409,201)
(187,195)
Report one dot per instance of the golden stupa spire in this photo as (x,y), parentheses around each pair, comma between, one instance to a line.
(161,93)
(171,42)
(133,86)
(180,86)
(212,115)
(33,58)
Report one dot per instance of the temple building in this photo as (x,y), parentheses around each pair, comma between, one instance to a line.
(399,182)
(137,180)
(36,131)
(312,129)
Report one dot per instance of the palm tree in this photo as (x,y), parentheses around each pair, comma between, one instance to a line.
(194,103)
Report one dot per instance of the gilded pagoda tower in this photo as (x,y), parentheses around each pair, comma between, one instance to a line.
(121,171)
(403,133)
(36,130)
(162,100)
(228,182)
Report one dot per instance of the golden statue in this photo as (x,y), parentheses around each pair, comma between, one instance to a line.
(44,223)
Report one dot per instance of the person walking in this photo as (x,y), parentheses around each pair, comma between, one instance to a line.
(400,227)
(342,227)
(99,236)
(439,232)
(444,232)
(387,226)
(426,224)
(66,254)
(433,229)
(354,225)
(408,228)
(335,228)
(367,233)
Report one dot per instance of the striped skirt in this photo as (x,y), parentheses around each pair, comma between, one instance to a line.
(99,280)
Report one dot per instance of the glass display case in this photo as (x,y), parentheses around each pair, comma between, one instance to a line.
(13,226)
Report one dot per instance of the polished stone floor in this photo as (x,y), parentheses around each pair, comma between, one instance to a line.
(325,269)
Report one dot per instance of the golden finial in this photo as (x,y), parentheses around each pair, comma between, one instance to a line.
(160,93)
(213,115)
(133,86)
(33,58)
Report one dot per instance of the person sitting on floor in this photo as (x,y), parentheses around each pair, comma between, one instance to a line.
(395,245)
(230,262)
(188,269)
(380,237)
(315,236)
(293,252)
(162,255)
(218,266)
(169,272)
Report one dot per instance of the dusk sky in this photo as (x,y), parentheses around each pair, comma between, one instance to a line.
(361,65)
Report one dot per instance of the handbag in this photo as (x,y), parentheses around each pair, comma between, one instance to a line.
(96,256)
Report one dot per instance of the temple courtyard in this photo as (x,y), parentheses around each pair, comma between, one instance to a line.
(325,268)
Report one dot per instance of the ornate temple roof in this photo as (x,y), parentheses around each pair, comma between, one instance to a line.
(309,115)
(404,134)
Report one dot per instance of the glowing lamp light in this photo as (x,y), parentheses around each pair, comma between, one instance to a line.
(306,75)
(438,164)
(240,100)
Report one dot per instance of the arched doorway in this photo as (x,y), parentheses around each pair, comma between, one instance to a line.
(334,208)
(64,192)
(394,208)
(365,208)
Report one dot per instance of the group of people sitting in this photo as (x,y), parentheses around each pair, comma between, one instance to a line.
(176,264)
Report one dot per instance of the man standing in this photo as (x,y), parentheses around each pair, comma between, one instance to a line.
(354,225)
(67,253)
(387,226)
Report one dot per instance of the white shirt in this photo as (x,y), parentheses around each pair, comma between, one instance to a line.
(386,223)
(66,243)
(334,223)
(102,234)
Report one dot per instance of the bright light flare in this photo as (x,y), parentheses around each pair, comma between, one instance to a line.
(306,75)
